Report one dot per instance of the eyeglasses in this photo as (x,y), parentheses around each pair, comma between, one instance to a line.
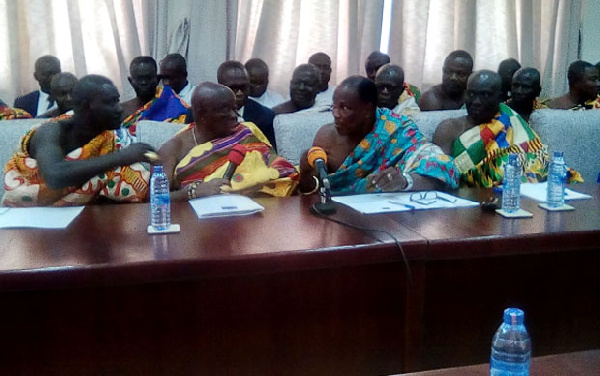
(429,197)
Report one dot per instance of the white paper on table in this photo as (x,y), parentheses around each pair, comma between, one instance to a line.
(537,191)
(373,203)
(225,206)
(39,217)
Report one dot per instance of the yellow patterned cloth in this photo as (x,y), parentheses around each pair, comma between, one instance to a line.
(7,113)
(24,186)
(261,170)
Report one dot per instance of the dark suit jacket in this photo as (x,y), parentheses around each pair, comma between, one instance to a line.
(29,102)
(255,112)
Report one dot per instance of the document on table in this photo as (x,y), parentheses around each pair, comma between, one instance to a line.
(38,217)
(373,203)
(225,205)
(537,191)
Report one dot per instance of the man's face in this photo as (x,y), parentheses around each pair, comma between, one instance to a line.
(303,89)
(323,64)
(372,66)
(389,89)
(105,108)
(259,80)
(237,81)
(483,99)
(455,75)
(144,81)
(44,75)
(61,92)
(220,115)
(589,83)
(172,76)
(525,88)
(349,112)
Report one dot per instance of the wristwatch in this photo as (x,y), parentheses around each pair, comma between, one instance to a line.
(409,181)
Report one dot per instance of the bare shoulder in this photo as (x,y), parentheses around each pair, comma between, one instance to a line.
(325,136)
(560,103)
(448,131)
(430,100)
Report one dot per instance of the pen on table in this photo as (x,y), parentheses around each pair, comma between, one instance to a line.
(401,203)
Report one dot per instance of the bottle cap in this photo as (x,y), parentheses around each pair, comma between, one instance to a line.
(559,154)
(514,316)
(512,157)
(157,168)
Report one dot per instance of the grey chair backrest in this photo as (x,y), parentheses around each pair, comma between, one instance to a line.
(427,121)
(573,132)
(156,133)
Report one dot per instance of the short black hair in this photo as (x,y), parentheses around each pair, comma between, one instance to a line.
(367,91)
(379,56)
(459,54)
(256,62)
(226,66)
(576,71)
(178,59)
(139,60)
(88,87)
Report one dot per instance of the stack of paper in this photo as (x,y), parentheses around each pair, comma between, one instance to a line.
(537,191)
(38,217)
(224,206)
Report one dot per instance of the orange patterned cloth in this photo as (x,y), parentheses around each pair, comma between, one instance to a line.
(24,186)
(7,113)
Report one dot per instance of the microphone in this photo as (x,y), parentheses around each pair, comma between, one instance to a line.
(317,159)
(235,157)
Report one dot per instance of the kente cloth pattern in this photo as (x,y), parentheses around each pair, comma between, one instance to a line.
(7,113)
(395,141)
(412,90)
(24,185)
(481,152)
(589,105)
(165,106)
(261,170)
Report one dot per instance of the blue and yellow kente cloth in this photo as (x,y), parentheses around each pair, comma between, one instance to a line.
(481,152)
(395,141)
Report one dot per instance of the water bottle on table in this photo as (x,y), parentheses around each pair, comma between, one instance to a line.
(511,185)
(557,180)
(160,200)
(511,346)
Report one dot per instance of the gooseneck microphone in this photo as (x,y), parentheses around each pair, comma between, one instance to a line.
(317,159)
(235,157)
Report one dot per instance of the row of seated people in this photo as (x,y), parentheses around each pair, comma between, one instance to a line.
(371,149)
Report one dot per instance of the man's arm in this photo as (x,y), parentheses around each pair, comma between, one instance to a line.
(445,134)
(59,173)
(429,101)
(307,182)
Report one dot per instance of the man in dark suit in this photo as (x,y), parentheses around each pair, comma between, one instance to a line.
(233,75)
(39,101)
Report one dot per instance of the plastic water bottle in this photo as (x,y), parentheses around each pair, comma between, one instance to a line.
(557,179)
(511,185)
(511,346)
(160,201)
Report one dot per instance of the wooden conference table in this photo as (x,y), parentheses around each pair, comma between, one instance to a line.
(286,292)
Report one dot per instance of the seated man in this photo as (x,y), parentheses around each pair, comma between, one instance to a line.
(481,141)
(525,91)
(583,88)
(376,60)
(390,90)
(371,149)
(151,102)
(173,73)
(75,161)
(451,94)
(258,74)
(233,75)
(39,101)
(324,92)
(303,91)
(196,159)
(61,89)
(506,70)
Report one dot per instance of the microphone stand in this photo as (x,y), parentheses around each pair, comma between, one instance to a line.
(325,206)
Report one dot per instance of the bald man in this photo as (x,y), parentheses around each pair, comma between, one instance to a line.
(583,88)
(303,90)
(481,141)
(39,101)
(61,88)
(451,94)
(77,160)
(196,159)
(525,91)
(390,91)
